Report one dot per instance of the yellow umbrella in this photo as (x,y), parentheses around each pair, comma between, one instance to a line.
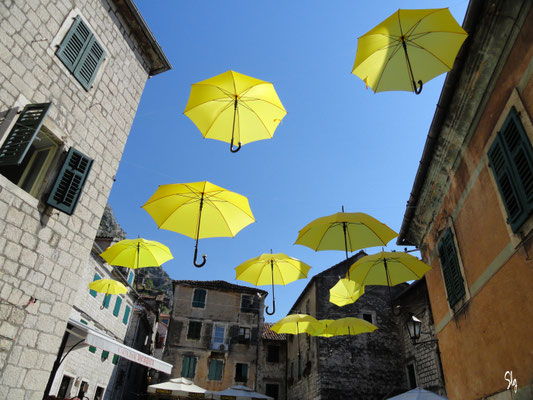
(235,108)
(408,44)
(349,326)
(345,292)
(294,324)
(325,323)
(272,269)
(107,286)
(387,268)
(345,231)
(199,210)
(137,253)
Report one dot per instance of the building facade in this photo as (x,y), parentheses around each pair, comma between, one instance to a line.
(72,76)
(471,204)
(213,337)
(272,364)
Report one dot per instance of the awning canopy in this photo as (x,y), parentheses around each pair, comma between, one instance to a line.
(98,339)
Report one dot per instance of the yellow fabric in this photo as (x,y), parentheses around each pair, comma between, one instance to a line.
(345,292)
(402,267)
(326,233)
(176,207)
(349,326)
(258,270)
(433,38)
(325,323)
(108,286)
(137,253)
(211,108)
(295,324)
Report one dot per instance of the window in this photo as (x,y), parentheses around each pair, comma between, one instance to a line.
(115,359)
(81,53)
(126,315)
(272,390)
(28,157)
(195,329)
(84,388)
(116,310)
(94,292)
(411,376)
(107,300)
(451,270)
(131,276)
(188,367)
(249,304)
(198,299)
(241,372)
(219,334)
(511,160)
(99,394)
(65,386)
(273,353)
(215,370)
(244,335)
(105,355)
(368,316)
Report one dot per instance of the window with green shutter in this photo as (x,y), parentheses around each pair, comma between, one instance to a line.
(188,367)
(118,302)
(131,275)
(94,293)
(81,53)
(198,300)
(126,315)
(107,300)
(70,181)
(215,370)
(92,349)
(115,359)
(105,355)
(451,270)
(241,372)
(511,160)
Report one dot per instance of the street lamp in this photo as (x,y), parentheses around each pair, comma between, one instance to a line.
(414,329)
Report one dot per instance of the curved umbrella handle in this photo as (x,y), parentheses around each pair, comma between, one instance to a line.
(236,149)
(196,256)
(273,308)
(273,295)
(418,89)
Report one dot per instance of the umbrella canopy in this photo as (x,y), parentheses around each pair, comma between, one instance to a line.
(349,326)
(176,387)
(137,253)
(239,392)
(235,108)
(345,231)
(409,45)
(323,333)
(199,210)
(387,268)
(418,394)
(294,324)
(345,292)
(107,286)
(272,269)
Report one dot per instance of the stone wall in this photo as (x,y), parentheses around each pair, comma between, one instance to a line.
(44,252)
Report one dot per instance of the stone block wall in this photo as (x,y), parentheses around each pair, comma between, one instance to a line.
(44,252)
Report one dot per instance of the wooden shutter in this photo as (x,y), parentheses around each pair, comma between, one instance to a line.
(88,65)
(116,310)
(94,292)
(255,336)
(23,133)
(199,298)
(126,315)
(115,359)
(212,370)
(451,270)
(73,45)
(70,181)
(219,366)
(107,299)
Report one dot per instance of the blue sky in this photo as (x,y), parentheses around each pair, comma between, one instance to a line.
(339,145)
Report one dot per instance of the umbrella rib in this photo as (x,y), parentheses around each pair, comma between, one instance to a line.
(216,117)
(260,120)
(385,66)
(420,20)
(225,92)
(430,52)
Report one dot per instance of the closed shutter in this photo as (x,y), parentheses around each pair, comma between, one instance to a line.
(116,310)
(94,292)
(220,366)
(199,298)
(188,367)
(451,271)
(511,159)
(23,133)
(81,53)
(105,355)
(70,181)
(212,370)
(126,315)
(107,300)
(115,359)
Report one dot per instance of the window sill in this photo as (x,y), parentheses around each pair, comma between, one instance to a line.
(19,192)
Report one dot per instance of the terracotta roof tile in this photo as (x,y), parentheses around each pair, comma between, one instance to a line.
(221,285)
(269,334)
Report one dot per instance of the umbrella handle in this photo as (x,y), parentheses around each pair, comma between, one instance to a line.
(273,308)
(419,89)
(236,149)
(196,256)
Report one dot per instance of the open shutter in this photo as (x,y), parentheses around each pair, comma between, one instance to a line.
(450,269)
(21,136)
(88,65)
(72,47)
(69,183)
(212,370)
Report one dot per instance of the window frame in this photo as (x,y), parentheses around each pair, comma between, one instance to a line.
(196,303)
(189,357)
(189,330)
(242,379)
(126,317)
(253,305)
(269,358)
(246,331)
(214,344)
(413,365)
(216,362)
(449,236)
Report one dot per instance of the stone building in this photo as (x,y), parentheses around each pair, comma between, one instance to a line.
(366,366)
(272,364)
(213,337)
(470,209)
(421,357)
(73,72)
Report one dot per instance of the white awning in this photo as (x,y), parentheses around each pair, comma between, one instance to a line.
(98,339)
